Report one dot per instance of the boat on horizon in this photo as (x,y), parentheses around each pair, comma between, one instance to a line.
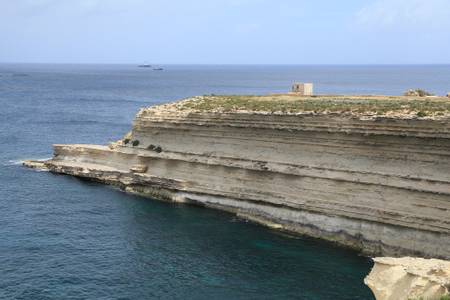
(145,65)
(158,69)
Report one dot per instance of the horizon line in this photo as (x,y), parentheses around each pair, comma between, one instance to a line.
(231,64)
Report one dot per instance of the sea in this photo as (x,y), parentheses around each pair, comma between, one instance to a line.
(65,238)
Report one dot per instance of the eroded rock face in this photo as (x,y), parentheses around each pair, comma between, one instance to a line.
(378,184)
(139,169)
(409,278)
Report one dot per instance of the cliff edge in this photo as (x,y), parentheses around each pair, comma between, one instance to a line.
(368,172)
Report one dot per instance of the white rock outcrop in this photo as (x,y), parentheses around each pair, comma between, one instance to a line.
(409,278)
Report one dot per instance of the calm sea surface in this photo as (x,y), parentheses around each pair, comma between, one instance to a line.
(63,238)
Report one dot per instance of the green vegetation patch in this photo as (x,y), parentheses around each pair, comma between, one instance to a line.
(292,104)
(445,297)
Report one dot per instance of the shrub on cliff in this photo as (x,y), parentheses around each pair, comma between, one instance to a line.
(421,114)
(135,143)
(417,92)
(157,149)
(126,141)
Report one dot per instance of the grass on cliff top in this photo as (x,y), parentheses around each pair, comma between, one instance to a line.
(377,105)
(445,297)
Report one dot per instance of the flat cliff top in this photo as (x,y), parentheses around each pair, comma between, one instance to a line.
(389,106)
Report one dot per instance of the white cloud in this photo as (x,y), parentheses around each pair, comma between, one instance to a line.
(401,14)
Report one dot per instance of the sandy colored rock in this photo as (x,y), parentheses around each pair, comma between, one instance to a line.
(409,278)
(139,168)
(35,164)
(376,183)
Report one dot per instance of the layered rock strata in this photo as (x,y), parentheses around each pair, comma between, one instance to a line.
(375,183)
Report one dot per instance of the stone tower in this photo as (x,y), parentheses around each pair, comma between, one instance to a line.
(304,89)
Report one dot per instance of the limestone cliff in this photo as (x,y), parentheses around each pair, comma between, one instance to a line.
(409,278)
(361,172)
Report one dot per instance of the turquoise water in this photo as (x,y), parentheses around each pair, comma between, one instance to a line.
(64,238)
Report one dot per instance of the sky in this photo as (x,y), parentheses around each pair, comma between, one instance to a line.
(225,31)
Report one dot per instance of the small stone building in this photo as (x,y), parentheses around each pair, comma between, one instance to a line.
(304,89)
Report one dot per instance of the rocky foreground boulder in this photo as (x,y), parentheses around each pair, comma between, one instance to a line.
(409,278)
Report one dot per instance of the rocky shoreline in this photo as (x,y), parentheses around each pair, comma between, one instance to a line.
(372,179)
(376,183)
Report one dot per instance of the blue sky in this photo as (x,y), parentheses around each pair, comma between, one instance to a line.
(225,31)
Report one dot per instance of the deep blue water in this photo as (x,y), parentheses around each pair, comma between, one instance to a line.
(63,238)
